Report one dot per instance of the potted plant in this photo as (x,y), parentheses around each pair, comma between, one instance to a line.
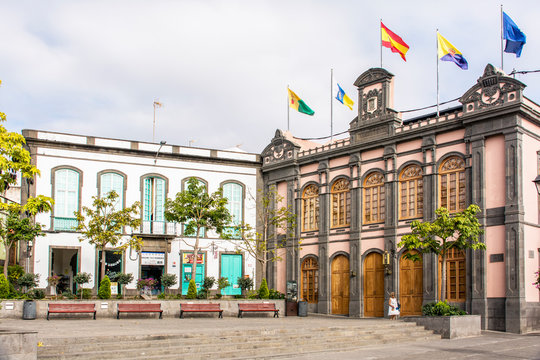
(53,281)
(123,279)
(223,282)
(80,279)
(28,281)
(245,283)
(145,286)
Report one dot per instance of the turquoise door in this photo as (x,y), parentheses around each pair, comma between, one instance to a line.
(231,268)
(186,277)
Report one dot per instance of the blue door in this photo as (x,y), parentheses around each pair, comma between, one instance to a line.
(231,268)
(186,277)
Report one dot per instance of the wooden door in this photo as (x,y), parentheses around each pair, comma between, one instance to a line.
(410,286)
(340,285)
(373,286)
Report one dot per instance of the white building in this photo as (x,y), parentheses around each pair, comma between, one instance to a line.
(75,167)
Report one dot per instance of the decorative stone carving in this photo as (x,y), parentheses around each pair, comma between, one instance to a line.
(280,149)
(374,179)
(311,191)
(372,104)
(453,163)
(411,172)
(341,185)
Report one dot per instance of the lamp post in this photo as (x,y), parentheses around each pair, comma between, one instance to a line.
(537,183)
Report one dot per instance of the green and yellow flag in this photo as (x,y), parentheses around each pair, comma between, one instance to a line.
(298,104)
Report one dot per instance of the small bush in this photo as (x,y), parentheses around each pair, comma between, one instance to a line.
(36,294)
(4,287)
(208,282)
(104,291)
(84,293)
(14,273)
(161,296)
(274,294)
(442,308)
(168,280)
(202,294)
(28,280)
(223,282)
(253,294)
(192,290)
(264,293)
(218,296)
(245,283)
(68,295)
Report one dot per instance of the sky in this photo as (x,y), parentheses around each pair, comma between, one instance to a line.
(221,68)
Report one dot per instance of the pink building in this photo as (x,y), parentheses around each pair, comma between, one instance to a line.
(356,197)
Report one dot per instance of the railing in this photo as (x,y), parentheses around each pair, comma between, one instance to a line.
(335,145)
(158,227)
(64,223)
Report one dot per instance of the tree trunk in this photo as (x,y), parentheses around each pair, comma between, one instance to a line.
(102,264)
(195,254)
(443,277)
(6,261)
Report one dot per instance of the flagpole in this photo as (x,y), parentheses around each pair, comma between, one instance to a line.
(331,105)
(380,35)
(502,40)
(437,38)
(288,107)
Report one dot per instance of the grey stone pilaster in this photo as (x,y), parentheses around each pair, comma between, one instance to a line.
(355,254)
(324,229)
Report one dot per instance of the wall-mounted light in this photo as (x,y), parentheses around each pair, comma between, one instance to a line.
(353,273)
(387,256)
(29,245)
(537,183)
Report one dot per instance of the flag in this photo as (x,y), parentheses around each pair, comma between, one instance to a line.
(342,97)
(298,104)
(393,42)
(448,52)
(515,39)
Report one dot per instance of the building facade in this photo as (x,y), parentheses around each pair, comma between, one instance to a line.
(75,168)
(356,197)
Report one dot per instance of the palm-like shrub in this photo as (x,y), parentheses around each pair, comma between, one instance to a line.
(192,290)
(104,291)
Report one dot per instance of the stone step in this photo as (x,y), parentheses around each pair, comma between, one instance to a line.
(239,341)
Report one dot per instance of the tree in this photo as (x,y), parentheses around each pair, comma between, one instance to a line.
(104,291)
(264,293)
(197,210)
(270,214)
(192,290)
(223,282)
(28,281)
(168,280)
(123,279)
(80,279)
(106,224)
(457,231)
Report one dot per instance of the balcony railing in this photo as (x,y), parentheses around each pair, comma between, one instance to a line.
(158,227)
(64,223)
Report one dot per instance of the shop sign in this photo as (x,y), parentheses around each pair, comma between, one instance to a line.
(188,258)
(153,258)
(114,288)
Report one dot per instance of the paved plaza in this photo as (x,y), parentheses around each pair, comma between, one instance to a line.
(491,345)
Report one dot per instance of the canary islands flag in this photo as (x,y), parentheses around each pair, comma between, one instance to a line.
(298,104)
(448,52)
(393,42)
(342,97)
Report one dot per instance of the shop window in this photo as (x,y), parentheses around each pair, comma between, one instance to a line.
(455,275)
(66,199)
(341,203)
(310,280)
(411,193)
(374,198)
(234,193)
(310,208)
(452,184)
(112,182)
(113,265)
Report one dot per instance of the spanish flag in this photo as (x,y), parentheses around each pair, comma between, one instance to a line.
(393,42)
(298,104)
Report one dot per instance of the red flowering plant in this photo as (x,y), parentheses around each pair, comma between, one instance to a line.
(146,283)
(537,282)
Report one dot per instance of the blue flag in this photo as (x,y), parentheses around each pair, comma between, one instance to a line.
(515,38)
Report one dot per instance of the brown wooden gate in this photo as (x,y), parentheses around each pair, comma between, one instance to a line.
(373,286)
(410,286)
(340,285)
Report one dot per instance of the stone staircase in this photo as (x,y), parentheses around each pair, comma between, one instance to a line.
(261,343)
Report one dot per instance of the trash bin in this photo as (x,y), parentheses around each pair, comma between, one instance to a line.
(291,308)
(29,310)
(302,308)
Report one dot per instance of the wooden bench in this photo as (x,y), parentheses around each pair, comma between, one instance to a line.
(139,308)
(192,307)
(257,307)
(71,309)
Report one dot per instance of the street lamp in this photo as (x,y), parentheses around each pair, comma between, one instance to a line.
(537,183)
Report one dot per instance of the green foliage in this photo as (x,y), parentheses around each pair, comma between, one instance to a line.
(253,294)
(202,294)
(441,308)
(223,282)
(192,290)
(245,283)
(197,209)
(208,282)
(14,272)
(123,278)
(28,280)
(105,225)
(104,291)
(4,287)
(69,295)
(448,231)
(274,294)
(84,293)
(162,296)
(264,293)
(82,278)
(36,294)
(168,280)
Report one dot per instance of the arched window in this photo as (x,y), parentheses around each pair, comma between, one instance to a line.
(154,205)
(234,193)
(66,199)
(411,193)
(341,203)
(455,275)
(112,181)
(310,208)
(374,198)
(310,280)
(452,184)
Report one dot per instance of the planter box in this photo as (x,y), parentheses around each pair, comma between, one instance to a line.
(107,308)
(18,345)
(450,327)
